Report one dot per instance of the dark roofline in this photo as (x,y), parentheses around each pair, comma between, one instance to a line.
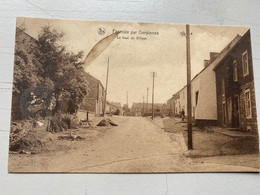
(145,103)
(221,52)
(238,42)
(140,104)
(171,97)
(95,78)
(27,34)
(179,90)
(116,104)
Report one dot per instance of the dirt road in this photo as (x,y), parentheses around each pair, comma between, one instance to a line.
(136,145)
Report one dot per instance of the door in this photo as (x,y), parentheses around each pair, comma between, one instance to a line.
(235,114)
(224,113)
(229,112)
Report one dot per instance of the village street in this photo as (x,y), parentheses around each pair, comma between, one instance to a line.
(59,131)
(137,144)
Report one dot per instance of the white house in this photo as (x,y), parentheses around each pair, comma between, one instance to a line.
(203,89)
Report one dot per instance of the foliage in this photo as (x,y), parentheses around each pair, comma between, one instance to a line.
(36,101)
(125,108)
(45,70)
(63,68)
(27,68)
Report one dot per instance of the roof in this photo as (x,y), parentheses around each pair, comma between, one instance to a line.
(140,105)
(116,104)
(223,53)
(231,47)
(173,97)
(87,74)
(19,29)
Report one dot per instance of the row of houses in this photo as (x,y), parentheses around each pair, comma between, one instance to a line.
(223,92)
(139,109)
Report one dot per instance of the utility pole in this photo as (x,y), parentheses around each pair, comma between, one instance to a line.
(127,98)
(153,96)
(147,100)
(104,111)
(188,87)
(143,104)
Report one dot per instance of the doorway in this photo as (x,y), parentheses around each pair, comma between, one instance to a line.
(235,113)
(224,114)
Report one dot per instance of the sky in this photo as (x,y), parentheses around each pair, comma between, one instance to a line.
(139,50)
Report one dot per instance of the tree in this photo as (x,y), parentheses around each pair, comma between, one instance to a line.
(27,68)
(63,68)
(48,79)
(125,108)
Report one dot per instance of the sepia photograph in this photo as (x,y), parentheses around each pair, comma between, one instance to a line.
(121,97)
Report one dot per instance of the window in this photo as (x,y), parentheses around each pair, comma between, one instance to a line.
(223,87)
(229,110)
(245,63)
(197,97)
(248,104)
(235,76)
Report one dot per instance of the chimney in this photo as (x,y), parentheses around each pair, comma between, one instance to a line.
(213,55)
(206,63)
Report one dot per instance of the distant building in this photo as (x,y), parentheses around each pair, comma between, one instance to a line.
(170,106)
(94,101)
(173,104)
(166,110)
(114,108)
(138,109)
(235,87)
(176,103)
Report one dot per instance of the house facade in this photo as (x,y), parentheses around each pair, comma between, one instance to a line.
(203,90)
(235,87)
(166,110)
(114,108)
(171,106)
(177,104)
(94,101)
(138,109)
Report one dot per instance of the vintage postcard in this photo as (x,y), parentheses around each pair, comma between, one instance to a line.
(117,97)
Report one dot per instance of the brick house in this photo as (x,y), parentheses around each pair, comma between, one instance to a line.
(94,101)
(236,106)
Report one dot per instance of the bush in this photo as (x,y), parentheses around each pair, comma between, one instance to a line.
(62,123)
